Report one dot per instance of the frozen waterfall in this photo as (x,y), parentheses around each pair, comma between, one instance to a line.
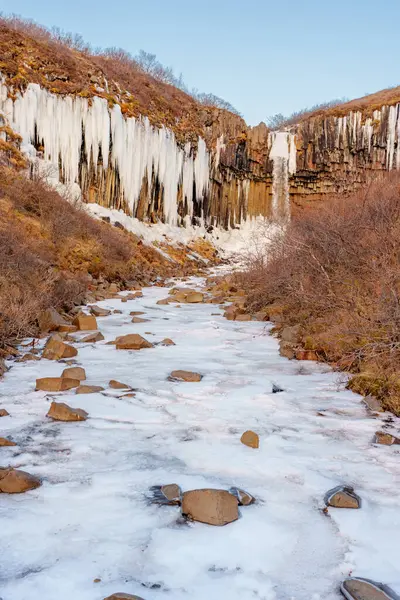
(283,156)
(64,125)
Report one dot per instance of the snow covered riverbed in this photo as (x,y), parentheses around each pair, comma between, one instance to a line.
(91,519)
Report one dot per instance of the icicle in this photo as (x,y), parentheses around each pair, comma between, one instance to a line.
(283,155)
(138,149)
(391,136)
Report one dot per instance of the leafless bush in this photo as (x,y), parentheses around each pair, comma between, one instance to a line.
(336,271)
(279,120)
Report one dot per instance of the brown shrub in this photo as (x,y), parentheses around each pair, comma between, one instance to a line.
(337,272)
(47,249)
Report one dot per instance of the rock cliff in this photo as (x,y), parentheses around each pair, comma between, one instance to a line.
(133,143)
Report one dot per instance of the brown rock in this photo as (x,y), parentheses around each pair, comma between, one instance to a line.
(286,350)
(185,376)
(122,596)
(243,498)
(135,313)
(62,412)
(14,481)
(56,384)
(243,317)
(4,412)
(215,507)
(55,350)
(358,588)
(194,298)
(290,334)
(261,315)
(74,373)
(50,320)
(6,442)
(306,355)
(167,342)
(139,320)
(387,439)
(85,322)
(124,299)
(93,337)
(130,395)
(163,301)
(117,385)
(251,439)
(116,311)
(97,311)
(88,389)
(28,356)
(170,494)
(113,288)
(132,341)
(68,328)
(342,497)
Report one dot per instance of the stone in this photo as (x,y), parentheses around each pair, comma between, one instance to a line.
(14,481)
(163,301)
(306,355)
(74,373)
(85,322)
(124,299)
(286,349)
(170,494)
(139,320)
(6,442)
(88,389)
(116,311)
(261,315)
(113,288)
(251,439)
(342,496)
(97,311)
(4,412)
(214,507)
(243,498)
(59,411)
(358,588)
(194,298)
(135,313)
(93,337)
(56,384)
(387,439)
(117,385)
(276,389)
(56,350)
(132,341)
(68,328)
(167,342)
(290,334)
(372,403)
(50,320)
(243,317)
(27,357)
(180,375)
(122,596)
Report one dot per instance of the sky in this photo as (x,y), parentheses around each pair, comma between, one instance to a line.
(263,57)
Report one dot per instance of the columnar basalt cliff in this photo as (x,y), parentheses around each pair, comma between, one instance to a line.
(339,154)
(147,148)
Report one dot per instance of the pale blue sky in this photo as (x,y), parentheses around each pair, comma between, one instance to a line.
(264,57)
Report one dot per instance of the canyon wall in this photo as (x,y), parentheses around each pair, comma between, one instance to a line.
(224,176)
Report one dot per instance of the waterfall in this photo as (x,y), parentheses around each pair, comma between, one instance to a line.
(283,156)
(63,125)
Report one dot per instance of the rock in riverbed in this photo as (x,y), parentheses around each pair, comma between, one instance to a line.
(62,412)
(170,494)
(358,588)
(251,439)
(14,481)
(387,439)
(56,350)
(214,507)
(132,341)
(180,375)
(56,384)
(342,496)
(74,373)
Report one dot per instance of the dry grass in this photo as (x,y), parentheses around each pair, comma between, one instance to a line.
(336,272)
(50,251)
